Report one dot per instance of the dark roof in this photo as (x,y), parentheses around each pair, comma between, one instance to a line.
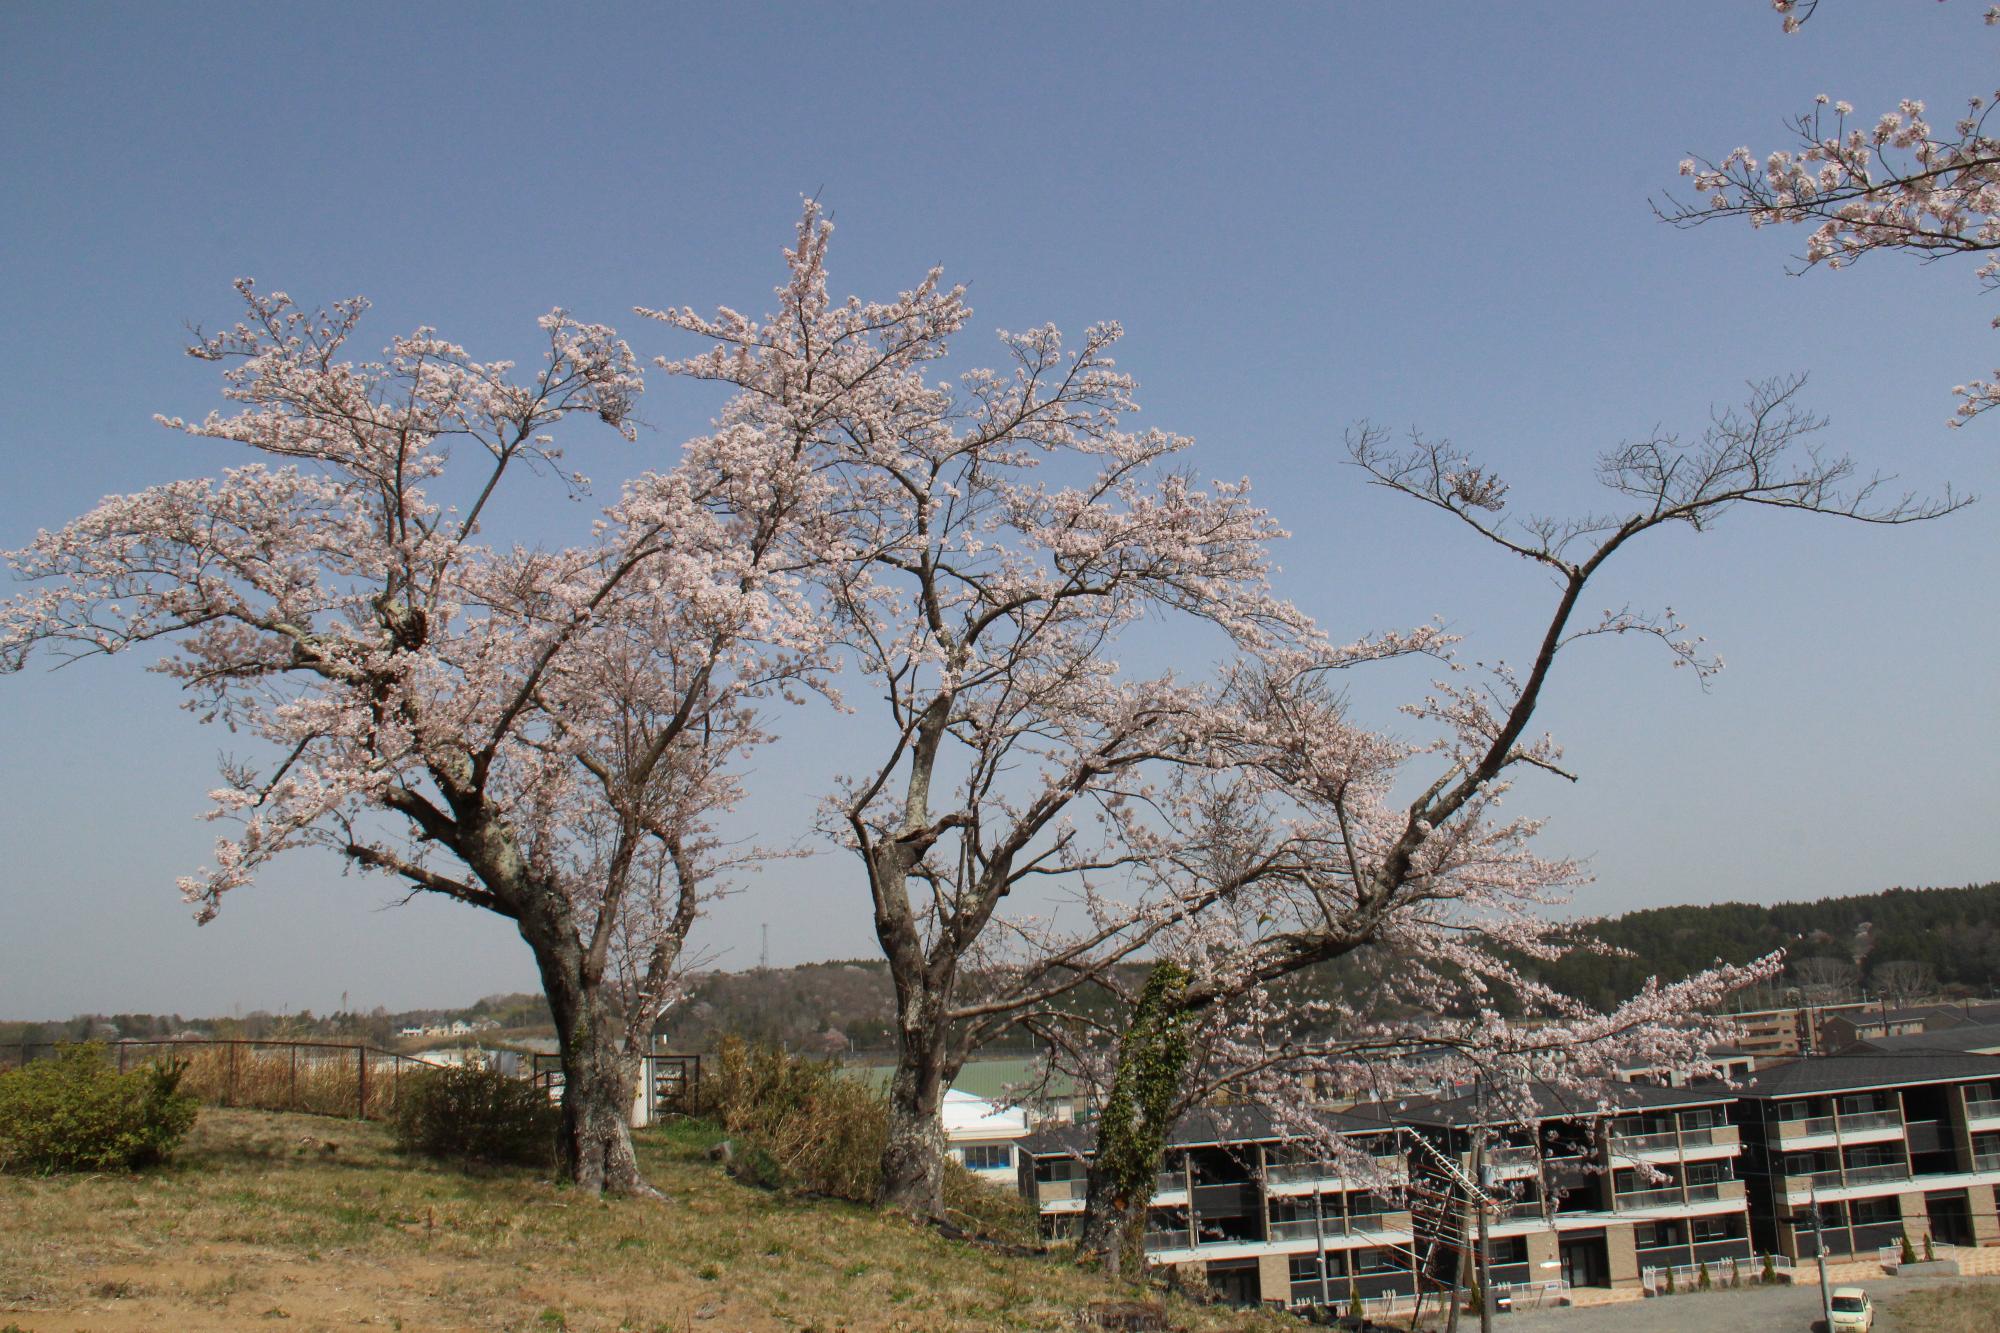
(1866,1069)
(1462,1111)
(1201,1128)
(1966,1038)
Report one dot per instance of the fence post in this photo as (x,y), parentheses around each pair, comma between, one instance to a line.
(229,1088)
(121,1057)
(292,1099)
(361,1082)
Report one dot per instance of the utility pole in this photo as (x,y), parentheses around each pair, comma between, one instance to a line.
(1819,1245)
(1480,1171)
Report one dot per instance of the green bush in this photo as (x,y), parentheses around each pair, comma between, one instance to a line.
(74,1112)
(474,1114)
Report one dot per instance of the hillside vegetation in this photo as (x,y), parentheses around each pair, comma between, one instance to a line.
(1955,931)
(300,1222)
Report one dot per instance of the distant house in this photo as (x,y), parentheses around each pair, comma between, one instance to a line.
(981,1136)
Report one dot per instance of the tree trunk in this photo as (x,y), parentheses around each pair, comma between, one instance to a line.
(1132,1133)
(913,1156)
(594,1152)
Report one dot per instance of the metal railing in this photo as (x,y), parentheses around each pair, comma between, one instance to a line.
(1644,1142)
(1293,1173)
(1721,1272)
(1709,1191)
(1872,1120)
(308,1077)
(1156,1241)
(1166,1182)
(1819,1124)
(1986,1161)
(1857,1175)
(1659,1198)
(1982,1108)
(1799,1180)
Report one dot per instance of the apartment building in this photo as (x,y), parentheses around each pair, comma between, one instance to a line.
(1267,1218)
(1854,1152)
(1594,1195)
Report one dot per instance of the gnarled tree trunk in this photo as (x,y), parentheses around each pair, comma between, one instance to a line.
(913,1156)
(595,1149)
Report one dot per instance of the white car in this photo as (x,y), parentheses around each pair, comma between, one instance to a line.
(1853,1312)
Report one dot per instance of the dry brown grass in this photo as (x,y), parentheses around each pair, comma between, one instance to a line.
(285,1221)
(1966,1309)
(321,1082)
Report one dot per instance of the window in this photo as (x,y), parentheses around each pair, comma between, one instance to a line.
(1875,1212)
(987,1156)
(1509,1249)
(1652,1235)
(1726,1227)
(1701,1117)
(1379,1261)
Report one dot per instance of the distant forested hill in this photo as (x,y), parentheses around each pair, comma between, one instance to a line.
(1956,932)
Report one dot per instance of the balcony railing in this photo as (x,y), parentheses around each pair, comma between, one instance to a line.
(1872,1120)
(1166,1240)
(1167,1181)
(1055,1191)
(1644,1142)
(1303,1228)
(1710,1191)
(1857,1175)
(1370,1223)
(1982,1108)
(1799,1180)
(1794,1129)
(1293,1173)
(1986,1161)
(1660,1198)
(1698,1138)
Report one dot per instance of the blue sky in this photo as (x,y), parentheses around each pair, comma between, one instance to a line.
(1424,215)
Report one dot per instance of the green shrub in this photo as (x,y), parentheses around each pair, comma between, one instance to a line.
(74,1112)
(1770,1274)
(474,1114)
(1704,1282)
(1909,1255)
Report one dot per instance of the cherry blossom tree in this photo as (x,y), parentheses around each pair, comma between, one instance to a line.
(998,536)
(1308,856)
(542,734)
(1895,184)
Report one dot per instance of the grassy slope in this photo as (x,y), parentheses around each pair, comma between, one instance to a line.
(283,1221)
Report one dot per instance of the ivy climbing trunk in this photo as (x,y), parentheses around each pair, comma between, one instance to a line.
(1132,1133)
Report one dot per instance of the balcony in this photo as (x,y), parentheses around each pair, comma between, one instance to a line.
(1166,1182)
(1369,1224)
(1666,1141)
(1982,1108)
(1156,1241)
(1873,1171)
(1659,1198)
(1714,1191)
(1804,1129)
(1059,1191)
(1799,1182)
(1872,1120)
(1986,1161)
(1299,1173)
(1303,1228)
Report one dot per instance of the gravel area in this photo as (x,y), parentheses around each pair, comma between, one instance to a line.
(1778,1309)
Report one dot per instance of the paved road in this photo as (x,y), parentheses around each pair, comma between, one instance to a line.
(1777,1309)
